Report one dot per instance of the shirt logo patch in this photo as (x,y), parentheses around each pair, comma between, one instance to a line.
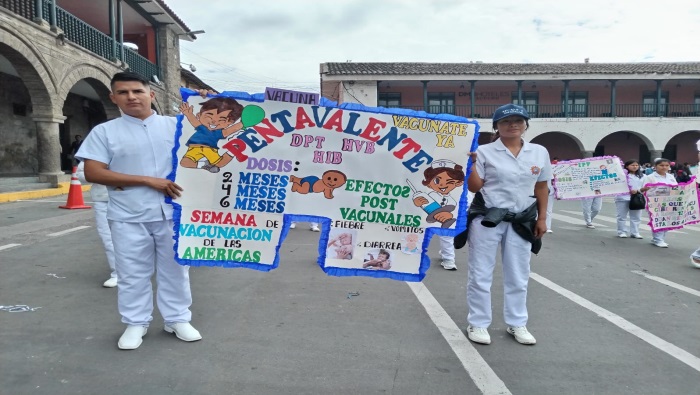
(535,170)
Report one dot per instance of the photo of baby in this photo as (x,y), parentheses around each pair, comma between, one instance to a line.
(340,244)
(377,259)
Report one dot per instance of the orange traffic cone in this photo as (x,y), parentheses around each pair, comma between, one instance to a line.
(75,193)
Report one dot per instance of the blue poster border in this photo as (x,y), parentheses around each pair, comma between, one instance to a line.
(325,222)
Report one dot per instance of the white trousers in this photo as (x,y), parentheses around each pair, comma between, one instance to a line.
(591,207)
(659,237)
(141,250)
(515,256)
(105,234)
(447,248)
(623,211)
(550,210)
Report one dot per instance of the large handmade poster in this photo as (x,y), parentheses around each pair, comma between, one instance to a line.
(590,177)
(381,182)
(672,206)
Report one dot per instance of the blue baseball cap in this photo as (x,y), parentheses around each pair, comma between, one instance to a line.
(508,110)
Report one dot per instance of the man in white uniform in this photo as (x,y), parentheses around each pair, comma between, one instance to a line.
(132,156)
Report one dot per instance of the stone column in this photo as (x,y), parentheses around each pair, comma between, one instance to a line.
(653,154)
(49,149)
(169,62)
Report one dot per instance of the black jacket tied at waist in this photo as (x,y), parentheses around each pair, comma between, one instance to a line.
(523,222)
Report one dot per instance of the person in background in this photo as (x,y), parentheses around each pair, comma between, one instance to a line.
(662,175)
(132,156)
(98,194)
(695,257)
(509,178)
(622,203)
(314,226)
(75,146)
(591,207)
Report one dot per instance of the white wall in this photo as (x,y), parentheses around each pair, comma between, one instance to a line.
(363,92)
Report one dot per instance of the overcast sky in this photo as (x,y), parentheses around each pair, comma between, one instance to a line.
(249,45)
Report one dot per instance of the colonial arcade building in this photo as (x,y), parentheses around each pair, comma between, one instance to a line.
(56,60)
(632,110)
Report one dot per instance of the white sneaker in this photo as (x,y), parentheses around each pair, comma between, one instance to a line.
(293,225)
(448,265)
(183,331)
(661,244)
(549,231)
(478,335)
(695,261)
(637,236)
(622,235)
(132,337)
(315,228)
(521,335)
(111,283)
(590,226)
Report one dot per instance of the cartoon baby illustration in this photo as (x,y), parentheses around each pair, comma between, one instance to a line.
(381,262)
(343,246)
(411,244)
(216,120)
(329,181)
(442,177)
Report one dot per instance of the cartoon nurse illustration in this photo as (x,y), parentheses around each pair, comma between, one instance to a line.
(442,177)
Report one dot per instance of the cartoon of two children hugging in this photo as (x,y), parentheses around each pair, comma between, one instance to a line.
(218,118)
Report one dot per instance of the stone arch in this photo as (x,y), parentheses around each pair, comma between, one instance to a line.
(562,145)
(681,147)
(34,71)
(626,144)
(97,78)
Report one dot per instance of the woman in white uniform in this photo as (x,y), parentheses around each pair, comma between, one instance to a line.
(622,203)
(661,175)
(511,176)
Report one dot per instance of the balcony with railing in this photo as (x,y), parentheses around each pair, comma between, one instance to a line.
(84,35)
(573,111)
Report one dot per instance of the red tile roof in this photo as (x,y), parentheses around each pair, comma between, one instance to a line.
(352,68)
(173,15)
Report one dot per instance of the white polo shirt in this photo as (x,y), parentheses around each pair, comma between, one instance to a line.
(509,182)
(131,146)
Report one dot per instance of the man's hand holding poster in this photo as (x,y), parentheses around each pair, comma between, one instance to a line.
(380,182)
(590,177)
(672,206)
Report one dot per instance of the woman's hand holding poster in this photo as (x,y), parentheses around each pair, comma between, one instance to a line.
(589,177)
(380,182)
